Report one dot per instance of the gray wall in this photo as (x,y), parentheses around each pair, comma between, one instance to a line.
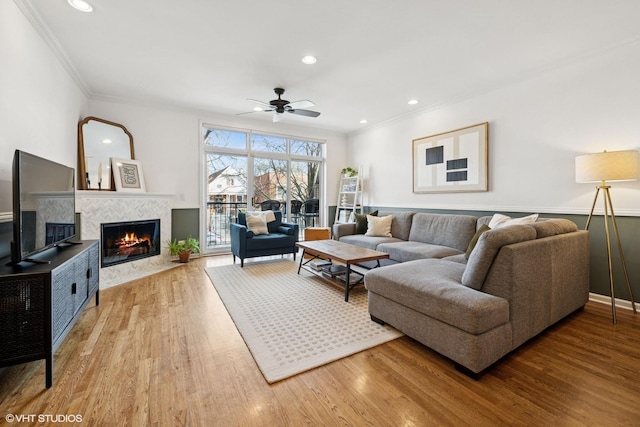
(185,223)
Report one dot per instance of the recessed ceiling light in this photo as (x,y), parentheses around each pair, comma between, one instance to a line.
(413,102)
(258,109)
(106,141)
(363,121)
(309,59)
(80,5)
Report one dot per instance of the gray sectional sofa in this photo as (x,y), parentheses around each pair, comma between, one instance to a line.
(477,307)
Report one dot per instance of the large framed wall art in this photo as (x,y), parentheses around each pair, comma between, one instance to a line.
(455,161)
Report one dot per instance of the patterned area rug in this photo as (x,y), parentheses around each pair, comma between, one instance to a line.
(292,323)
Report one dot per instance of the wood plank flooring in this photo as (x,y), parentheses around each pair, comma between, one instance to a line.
(162,351)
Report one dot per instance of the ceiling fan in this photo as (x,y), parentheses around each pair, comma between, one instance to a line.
(280,106)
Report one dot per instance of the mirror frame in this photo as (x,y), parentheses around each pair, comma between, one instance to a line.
(82,181)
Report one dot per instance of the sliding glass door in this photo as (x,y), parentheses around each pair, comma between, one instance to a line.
(254,171)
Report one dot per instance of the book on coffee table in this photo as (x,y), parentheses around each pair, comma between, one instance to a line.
(318,265)
(334,270)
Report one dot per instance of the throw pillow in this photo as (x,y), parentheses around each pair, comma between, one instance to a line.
(499,220)
(379,227)
(474,239)
(361,222)
(257,224)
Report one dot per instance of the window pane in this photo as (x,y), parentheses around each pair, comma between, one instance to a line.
(269,181)
(306,148)
(226,196)
(305,180)
(272,144)
(225,138)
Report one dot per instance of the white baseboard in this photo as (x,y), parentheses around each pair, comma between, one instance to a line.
(605,299)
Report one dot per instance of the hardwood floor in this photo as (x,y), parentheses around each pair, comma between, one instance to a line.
(162,351)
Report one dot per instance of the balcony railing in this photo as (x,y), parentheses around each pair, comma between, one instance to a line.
(219,216)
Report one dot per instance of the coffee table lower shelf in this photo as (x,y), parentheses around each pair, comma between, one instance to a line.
(343,253)
(339,278)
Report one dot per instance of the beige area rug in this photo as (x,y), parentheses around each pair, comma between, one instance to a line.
(292,323)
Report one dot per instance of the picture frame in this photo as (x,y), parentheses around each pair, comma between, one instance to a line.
(454,161)
(127,175)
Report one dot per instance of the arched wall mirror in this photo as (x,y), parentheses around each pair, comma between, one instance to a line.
(98,141)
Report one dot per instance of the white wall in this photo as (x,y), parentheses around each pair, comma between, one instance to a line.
(536,129)
(39,102)
(167,142)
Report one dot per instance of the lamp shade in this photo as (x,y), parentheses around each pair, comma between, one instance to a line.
(607,166)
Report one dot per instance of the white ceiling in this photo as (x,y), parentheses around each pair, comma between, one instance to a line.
(373,55)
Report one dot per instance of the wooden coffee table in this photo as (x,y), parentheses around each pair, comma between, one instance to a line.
(345,253)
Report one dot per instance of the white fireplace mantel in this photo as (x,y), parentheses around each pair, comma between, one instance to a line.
(98,207)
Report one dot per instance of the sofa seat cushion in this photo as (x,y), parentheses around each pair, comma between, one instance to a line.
(409,251)
(269,241)
(433,287)
(367,241)
(460,258)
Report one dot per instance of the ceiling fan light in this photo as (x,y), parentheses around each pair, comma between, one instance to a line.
(277,117)
(80,5)
(309,59)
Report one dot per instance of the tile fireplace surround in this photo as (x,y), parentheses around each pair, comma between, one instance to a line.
(97,207)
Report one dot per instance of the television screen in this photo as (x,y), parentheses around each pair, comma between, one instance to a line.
(43,205)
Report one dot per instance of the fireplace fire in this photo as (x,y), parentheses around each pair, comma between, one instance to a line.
(129,241)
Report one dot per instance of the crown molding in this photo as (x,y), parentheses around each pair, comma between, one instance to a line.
(524,76)
(52,42)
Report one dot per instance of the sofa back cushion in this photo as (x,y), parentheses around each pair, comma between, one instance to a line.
(487,248)
(553,227)
(454,231)
(400,224)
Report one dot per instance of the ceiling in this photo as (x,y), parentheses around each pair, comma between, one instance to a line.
(373,55)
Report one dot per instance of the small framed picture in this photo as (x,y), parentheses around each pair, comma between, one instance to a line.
(127,175)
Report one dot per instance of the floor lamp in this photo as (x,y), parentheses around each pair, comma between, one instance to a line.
(602,167)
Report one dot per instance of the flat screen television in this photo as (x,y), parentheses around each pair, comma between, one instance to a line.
(44,211)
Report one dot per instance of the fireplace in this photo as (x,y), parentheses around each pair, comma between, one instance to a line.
(129,241)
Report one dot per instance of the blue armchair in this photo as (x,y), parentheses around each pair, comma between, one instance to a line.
(281,239)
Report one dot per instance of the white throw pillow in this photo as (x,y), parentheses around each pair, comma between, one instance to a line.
(379,226)
(499,220)
(257,223)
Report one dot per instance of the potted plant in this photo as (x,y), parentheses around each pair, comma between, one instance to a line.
(183,248)
(348,172)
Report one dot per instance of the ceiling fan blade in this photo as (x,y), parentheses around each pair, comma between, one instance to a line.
(266,104)
(307,113)
(303,103)
(254,111)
